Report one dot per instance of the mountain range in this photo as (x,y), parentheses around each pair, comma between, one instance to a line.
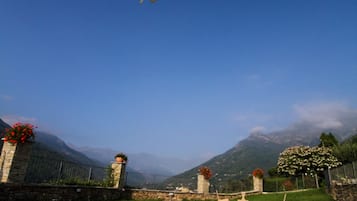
(258,150)
(140,170)
(48,150)
(261,150)
(143,162)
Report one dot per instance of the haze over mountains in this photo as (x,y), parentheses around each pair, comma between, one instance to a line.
(50,149)
(142,168)
(144,162)
(259,149)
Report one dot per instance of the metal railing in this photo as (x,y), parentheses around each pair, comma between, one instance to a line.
(49,170)
(43,169)
(279,184)
(344,174)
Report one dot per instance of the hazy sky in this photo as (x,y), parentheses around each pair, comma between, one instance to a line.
(181,78)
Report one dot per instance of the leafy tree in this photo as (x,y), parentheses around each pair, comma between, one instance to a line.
(273,172)
(347,151)
(352,139)
(306,160)
(328,140)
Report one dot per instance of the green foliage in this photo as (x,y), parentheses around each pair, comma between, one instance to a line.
(235,185)
(109,180)
(310,195)
(352,139)
(274,184)
(347,151)
(237,163)
(328,140)
(273,172)
(77,182)
(278,184)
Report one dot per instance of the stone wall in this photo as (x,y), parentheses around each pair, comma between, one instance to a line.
(344,192)
(178,196)
(13,162)
(27,192)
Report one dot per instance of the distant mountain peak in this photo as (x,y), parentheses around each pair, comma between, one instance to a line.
(262,150)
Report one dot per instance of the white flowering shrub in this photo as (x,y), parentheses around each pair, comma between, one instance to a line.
(306,160)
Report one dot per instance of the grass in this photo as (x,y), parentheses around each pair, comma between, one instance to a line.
(309,195)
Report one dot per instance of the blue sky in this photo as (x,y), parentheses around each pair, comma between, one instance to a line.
(175,78)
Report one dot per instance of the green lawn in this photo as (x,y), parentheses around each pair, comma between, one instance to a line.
(309,195)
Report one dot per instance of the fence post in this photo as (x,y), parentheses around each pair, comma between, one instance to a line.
(60,171)
(329,176)
(354,170)
(119,175)
(90,174)
(303,181)
(126,178)
(316,181)
(297,182)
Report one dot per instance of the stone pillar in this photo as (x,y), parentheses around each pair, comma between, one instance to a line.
(202,184)
(118,175)
(13,162)
(258,184)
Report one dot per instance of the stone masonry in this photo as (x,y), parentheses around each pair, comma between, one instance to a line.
(118,175)
(202,184)
(13,162)
(257,184)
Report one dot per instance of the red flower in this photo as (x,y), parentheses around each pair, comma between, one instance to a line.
(13,141)
(206,172)
(258,173)
(19,133)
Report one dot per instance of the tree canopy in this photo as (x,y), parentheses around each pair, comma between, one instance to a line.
(346,152)
(306,160)
(328,140)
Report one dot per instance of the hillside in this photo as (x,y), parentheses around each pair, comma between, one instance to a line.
(3,126)
(49,150)
(261,150)
(142,162)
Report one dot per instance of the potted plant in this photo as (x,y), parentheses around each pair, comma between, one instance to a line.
(258,172)
(19,133)
(206,172)
(121,158)
(17,151)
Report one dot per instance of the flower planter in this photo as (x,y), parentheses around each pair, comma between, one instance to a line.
(202,184)
(118,175)
(13,162)
(258,184)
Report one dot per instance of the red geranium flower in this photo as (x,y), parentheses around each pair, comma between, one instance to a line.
(19,133)
(206,172)
(258,173)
